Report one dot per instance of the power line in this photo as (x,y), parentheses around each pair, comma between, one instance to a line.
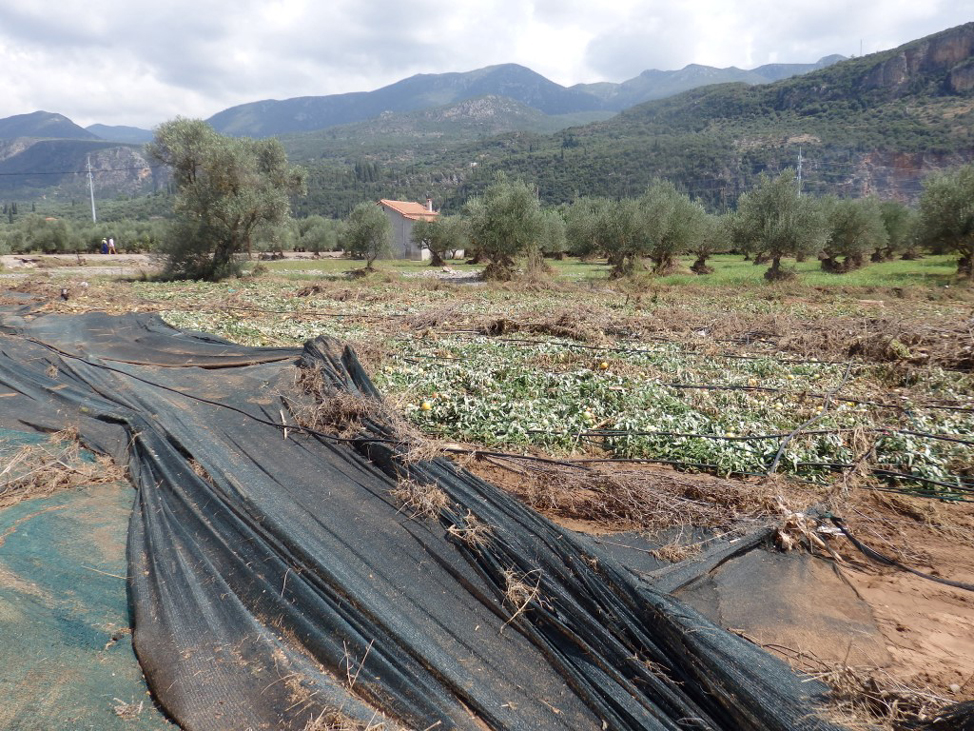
(134,168)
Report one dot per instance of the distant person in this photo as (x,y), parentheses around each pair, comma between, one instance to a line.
(104,246)
(111,246)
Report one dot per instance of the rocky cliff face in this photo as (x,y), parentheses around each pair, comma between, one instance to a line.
(895,175)
(31,167)
(961,77)
(943,53)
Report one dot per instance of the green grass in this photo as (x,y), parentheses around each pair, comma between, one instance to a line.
(729,271)
(331,267)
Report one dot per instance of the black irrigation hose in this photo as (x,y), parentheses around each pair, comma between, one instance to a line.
(826,405)
(603,433)
(416,358)
(931,494)
(887,561)
(966,485)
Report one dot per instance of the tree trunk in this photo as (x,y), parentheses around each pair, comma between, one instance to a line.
(829,264)
(435,259)
(776,273)
(663,265)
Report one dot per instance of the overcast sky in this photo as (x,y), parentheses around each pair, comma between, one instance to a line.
(140,63)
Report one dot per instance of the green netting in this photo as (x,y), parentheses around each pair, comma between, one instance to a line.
(66,658)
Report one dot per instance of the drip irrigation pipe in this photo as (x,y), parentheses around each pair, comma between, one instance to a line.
(419,357)
(603,433)
(887,561)
(575,464)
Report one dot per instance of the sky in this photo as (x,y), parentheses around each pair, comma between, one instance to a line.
(139,63)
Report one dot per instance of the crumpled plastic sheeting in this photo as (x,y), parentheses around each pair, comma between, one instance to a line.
(274,578)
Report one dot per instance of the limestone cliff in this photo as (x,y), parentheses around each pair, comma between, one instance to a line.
(948,53)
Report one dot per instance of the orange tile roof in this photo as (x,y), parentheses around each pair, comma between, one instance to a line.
(411,211)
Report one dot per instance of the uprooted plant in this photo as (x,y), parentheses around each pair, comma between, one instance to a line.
(340,412)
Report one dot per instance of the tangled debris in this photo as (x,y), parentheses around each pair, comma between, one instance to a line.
(40,470)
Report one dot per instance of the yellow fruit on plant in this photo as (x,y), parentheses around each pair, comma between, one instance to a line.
(604,365)
(426,406)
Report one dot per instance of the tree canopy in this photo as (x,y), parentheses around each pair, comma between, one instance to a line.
(367,233)
(227,189)
(856,230)
(506,222)
(440,235)
(673,223)
(947,215)
(773,221)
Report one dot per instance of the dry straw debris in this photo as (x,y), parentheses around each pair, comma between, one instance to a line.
(473,532)
(40,470)
(127,711)
(342,413)
(423,501)
(521,590)
(867,699)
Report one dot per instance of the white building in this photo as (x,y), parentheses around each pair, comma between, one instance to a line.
(402,215)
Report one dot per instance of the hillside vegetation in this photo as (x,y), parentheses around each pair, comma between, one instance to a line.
(871,125)
(875,125)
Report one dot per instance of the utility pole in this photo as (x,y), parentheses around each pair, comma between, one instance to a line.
(91,191)
(799,171)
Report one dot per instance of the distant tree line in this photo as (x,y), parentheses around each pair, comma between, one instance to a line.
(772,222)
(233,195)
(50,235)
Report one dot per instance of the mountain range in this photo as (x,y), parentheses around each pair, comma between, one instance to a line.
(448,133)
(306,114)
(423,91)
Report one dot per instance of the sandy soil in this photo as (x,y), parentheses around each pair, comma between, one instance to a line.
(928,627)
(919,633)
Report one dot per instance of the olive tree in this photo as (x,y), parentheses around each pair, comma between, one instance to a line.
(773,220)
(367,234)
(947,216)
(714,237)
(900,224)
(316,234)
(49,235)
(585,226)
(227,190)
(672,221)
(622,228)
(553,241)
(440,235)
(504,224)
(855,231)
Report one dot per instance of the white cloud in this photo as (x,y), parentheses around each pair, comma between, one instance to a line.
(141,63)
